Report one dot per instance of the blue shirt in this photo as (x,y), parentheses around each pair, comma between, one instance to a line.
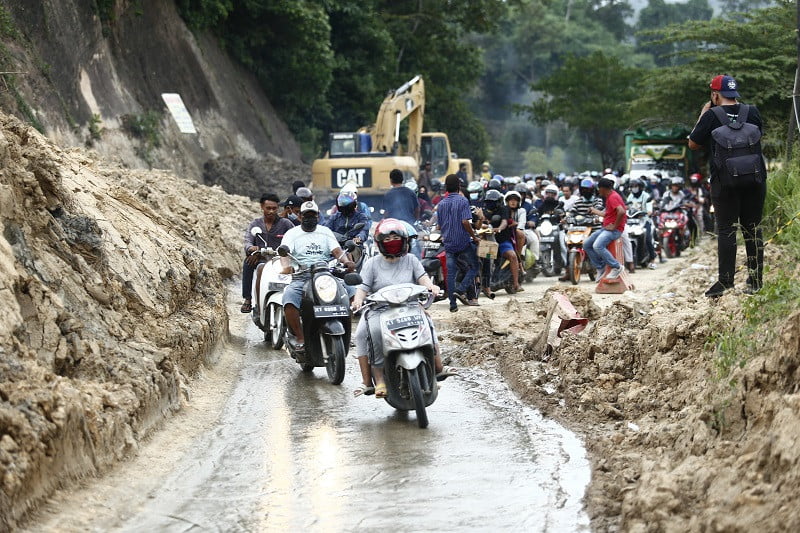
(341,223)
(401,203)
(451,212)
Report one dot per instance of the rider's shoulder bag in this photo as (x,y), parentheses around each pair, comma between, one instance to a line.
(737,149)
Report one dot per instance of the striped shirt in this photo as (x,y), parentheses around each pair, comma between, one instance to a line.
(451,212)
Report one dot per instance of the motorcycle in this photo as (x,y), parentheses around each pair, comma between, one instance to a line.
(399,328)
(549,244)
(356,251)
(325,318)
(636,227)
(434,261)
(267,295)
(673,231)
(579,227)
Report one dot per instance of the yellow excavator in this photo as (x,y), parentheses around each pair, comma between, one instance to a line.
(366,157)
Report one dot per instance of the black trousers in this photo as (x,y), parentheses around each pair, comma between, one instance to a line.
(739,207)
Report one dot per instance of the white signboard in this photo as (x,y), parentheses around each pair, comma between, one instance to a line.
(179,112)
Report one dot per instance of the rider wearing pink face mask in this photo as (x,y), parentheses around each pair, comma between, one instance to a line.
(394,265)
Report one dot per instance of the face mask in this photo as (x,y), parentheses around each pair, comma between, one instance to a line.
(473,196)
(636,190)
(309,224)
(292,216)
(393,247)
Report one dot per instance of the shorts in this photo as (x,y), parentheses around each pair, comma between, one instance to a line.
(293,293)
(504,247)
(362,343)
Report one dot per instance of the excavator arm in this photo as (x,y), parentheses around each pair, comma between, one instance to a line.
(408,101)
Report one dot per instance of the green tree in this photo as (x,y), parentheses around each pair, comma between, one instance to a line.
(591,94)
(659,14)
(760,52)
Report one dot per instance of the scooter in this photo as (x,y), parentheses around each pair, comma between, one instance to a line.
(637,231)
(325,318)
(434,261)
(579,227)
(673,232)
(399,330)
(267,295)
(549,245)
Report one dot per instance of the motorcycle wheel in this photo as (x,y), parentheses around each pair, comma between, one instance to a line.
(667,248)
(574,266)
(547,263)
(416,394)
(336,357)
(276,330)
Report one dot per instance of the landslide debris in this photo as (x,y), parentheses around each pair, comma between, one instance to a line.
(111,282)
(680,439)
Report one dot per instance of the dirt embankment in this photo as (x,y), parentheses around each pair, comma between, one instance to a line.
(111,286)
(673,446)
(92,73)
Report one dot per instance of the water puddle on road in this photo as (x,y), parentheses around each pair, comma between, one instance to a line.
(293,452)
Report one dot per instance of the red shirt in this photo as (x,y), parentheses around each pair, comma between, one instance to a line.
(612,201)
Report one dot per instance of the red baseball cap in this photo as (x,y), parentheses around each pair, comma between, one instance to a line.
(726,86)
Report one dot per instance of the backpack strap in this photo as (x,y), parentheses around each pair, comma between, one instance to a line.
(723,117)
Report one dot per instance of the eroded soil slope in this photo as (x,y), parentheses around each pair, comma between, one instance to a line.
(111,290)
(674,446)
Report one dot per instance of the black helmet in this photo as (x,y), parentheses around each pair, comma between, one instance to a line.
(495,184)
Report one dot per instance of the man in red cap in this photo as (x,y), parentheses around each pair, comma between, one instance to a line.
(735,203)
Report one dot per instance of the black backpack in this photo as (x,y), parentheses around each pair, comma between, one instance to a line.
(737,149)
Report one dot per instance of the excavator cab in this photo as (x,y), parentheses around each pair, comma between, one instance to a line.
(349,144)
(435,147)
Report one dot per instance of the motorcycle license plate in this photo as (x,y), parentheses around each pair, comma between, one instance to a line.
(404,322)
(325,311)
(431,245)
(547,239)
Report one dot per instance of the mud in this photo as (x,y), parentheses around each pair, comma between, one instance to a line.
(112,285)
(674,447)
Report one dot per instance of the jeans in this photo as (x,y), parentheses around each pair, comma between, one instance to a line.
(247,278)
(470,256)
(739,207)
(596,247)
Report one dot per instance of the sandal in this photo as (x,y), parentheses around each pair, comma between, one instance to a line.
(380,390)
(446,372)
(366,390)
(246,307)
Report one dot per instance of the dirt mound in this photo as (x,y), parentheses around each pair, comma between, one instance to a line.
(111,282)
(253,177)
(674,445)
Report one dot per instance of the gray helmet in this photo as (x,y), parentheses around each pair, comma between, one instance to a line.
(493,195)
(521,188)
(475,186)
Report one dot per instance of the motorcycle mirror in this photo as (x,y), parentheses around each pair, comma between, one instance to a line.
(255,231)
(283,250)
(497,219)
(349,245)
(358,227)
(352,279)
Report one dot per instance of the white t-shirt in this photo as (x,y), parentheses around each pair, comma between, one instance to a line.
(310,247)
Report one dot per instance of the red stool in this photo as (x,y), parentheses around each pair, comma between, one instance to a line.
(623,282)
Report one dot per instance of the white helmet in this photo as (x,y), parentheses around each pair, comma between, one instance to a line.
(551,188)
(611,177)
(350,186)
(512,194)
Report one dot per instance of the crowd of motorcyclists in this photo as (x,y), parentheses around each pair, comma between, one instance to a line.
(530,225)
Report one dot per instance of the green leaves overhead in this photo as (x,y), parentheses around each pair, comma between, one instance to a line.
(327,64)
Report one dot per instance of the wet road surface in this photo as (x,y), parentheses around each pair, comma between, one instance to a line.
(293,452)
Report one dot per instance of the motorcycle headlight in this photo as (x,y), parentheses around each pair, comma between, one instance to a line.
(326,288)
(576,238)
(546,228)
(398,296)
(434,237)
(671,224)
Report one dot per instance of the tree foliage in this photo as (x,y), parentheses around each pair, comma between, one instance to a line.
(327,64)
(658,14)
(760,52)
(591,94)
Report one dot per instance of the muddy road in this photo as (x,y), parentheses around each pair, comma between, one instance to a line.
(261,446)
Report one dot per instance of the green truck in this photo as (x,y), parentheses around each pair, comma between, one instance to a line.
(659,149)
